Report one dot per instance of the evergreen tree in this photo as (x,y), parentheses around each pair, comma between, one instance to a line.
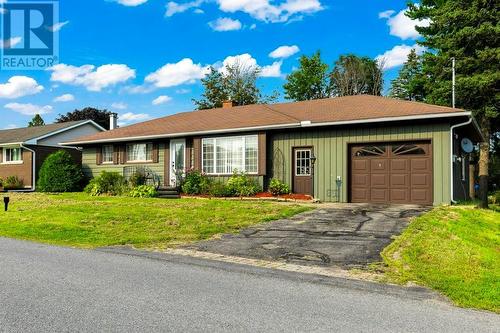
(409,85)
(36,121)
(467,30)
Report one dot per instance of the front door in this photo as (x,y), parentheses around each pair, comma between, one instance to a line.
(177,160)
(302,171)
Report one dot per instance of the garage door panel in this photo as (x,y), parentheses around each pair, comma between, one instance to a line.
(393,173)
(400,180)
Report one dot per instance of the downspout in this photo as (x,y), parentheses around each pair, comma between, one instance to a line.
(33,163)
(451,156)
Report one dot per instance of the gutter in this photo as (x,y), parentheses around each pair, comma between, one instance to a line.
(451,155)
(33,163)
(301,124)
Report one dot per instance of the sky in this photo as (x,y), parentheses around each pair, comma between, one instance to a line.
(144,59)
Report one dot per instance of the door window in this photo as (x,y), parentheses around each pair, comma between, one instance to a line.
(303,162)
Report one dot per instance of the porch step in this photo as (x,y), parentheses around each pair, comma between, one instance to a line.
(168,193)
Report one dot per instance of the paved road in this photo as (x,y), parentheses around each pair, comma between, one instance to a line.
(44,288)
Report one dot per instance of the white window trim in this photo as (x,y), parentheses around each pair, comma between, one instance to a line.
(138,161)
(4,156)
(215,173)
(295,162)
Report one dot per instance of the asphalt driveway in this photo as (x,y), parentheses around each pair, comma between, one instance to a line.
(346,235)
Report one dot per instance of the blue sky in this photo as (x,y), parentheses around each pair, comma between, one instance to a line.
(143,58)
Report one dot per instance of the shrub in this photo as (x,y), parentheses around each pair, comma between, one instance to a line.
(143,191)
(277,187)
(59,173)
(196,183)
(138,178)
(242,186)
(13,183)
(1,182)
(219,190)
(108,183)
(494,198)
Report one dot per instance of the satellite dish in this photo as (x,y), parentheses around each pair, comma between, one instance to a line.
(467,145)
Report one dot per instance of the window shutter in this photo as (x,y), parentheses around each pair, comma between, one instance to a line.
(116,154)
(262,154)
(98,158)
(155,152)
(1,155)
(123,154)
(197,153)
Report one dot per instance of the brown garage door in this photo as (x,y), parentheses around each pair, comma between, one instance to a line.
(399,172)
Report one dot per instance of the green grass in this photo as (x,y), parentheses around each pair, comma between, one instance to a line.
(78,220)
(455,250)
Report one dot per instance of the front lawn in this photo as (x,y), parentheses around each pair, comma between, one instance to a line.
(76,219)
(455,250)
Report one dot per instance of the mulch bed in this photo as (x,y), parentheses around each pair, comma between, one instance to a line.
(263,196)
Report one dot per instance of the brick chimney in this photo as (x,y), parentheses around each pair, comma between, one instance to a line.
(228,104)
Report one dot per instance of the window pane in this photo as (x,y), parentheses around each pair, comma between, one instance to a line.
(13,154)
(140,152)
(208,156)
(229,154)
(107,154)
(251,154)
(303,162)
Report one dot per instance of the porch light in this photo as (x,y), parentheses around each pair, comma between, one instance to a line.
(313,159)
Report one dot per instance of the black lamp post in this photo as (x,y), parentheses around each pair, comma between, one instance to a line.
(6,202)
(313,162)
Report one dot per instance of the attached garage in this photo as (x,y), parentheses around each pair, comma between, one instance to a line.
(393,172)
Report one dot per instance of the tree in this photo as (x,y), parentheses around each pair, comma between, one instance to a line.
(409,85)
(101,117)
(36,121)
(309,81)
(236,82)
(466,30)
(59,173)
(353,75)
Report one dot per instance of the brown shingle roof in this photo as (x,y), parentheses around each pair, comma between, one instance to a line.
(24,134)
(341,109)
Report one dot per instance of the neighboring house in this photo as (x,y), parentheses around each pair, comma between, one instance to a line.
(23,150)
(347,149)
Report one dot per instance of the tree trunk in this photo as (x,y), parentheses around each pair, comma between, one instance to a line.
(484,160)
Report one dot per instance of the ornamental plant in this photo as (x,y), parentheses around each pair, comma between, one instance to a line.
(59,173)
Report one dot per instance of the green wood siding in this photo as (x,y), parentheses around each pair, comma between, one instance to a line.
(91,169)
(331,147)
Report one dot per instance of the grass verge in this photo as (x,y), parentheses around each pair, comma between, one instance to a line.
(455,250)
(76,219)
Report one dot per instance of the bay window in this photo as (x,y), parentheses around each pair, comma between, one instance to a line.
(140,152)
(226,155)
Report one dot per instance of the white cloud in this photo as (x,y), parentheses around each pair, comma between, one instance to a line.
(58,26)
(131,3)
(284,51)
(263,10)
(161,100)
(386,14)
(9,43)
(182,72)
(119,106)
(19,86)
(29,109)
(94,79)
(131,117)
(176,8)
(273,70)
(401,25)
(244,60)
(64,98)
(225,24)
(199,11)
(398,55)
(182,91)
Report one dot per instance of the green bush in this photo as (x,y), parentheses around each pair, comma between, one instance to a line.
(196,183)
(59,173)
(13,183)
(107,183)
(143,191)
(1,182)
(494,198)
(277,187)
(138,178)
(219,190)
(241,185)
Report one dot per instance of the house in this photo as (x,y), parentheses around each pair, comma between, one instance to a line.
(23,150)
(346,149)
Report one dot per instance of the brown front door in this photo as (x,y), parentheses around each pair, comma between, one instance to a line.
(302,170)
(399,172)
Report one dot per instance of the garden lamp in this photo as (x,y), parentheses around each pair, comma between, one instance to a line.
(6,202)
